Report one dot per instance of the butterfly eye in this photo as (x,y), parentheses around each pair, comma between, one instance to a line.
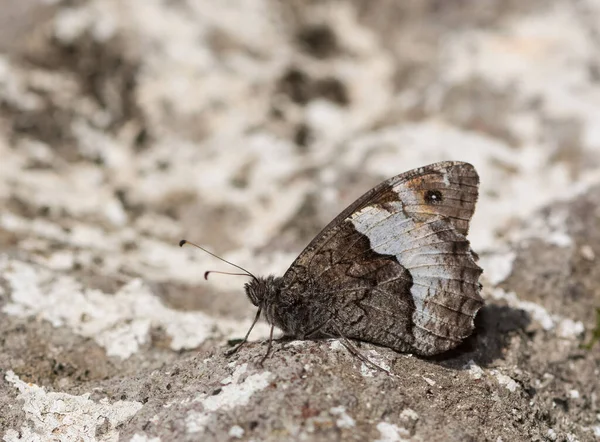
(433,196)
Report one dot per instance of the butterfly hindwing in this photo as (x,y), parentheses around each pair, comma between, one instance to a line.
(395,268)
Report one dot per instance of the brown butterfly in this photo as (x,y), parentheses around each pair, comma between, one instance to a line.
(394,269)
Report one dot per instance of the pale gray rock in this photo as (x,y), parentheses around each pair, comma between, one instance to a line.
(246,126)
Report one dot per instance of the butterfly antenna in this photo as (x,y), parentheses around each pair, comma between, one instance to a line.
(246,272)
(208,272)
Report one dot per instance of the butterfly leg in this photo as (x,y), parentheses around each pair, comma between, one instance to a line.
(315,330)
(237,347)
(264,358)
(306,336)
(352,349)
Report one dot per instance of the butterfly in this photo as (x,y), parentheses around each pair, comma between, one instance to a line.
(394,269)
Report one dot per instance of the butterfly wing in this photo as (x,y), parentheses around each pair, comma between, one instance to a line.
(395,268)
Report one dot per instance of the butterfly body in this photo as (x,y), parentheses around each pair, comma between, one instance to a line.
(395,268)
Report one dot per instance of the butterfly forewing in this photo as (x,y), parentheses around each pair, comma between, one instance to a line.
(395,268)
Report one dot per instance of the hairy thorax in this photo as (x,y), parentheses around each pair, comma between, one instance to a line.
(289,308)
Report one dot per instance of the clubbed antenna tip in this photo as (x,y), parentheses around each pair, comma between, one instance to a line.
(246,272)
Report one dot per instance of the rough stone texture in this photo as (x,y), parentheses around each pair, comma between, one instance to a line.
(246,126)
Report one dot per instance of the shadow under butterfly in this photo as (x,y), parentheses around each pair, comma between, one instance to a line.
(394,269)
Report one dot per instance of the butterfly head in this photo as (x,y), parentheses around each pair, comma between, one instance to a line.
(262,291)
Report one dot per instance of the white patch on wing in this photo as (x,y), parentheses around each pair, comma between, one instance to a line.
(445,177)
(417,247)
(393,234)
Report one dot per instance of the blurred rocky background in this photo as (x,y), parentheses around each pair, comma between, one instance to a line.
(246,126)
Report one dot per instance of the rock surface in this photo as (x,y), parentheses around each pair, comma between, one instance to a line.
(246,126)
